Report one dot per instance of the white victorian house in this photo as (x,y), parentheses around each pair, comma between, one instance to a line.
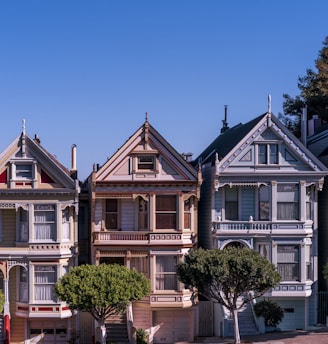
(260,190)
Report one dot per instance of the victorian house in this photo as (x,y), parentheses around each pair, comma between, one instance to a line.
(143,203)
(260,190)
(38,240)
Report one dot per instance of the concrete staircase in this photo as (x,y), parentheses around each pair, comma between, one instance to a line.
(246,321)
(117,330)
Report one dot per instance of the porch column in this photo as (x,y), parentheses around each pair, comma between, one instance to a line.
(6,313)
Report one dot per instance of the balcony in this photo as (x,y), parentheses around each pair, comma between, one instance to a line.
(58,311)
(262,227)
(126,238)
(291,289)
(171,299)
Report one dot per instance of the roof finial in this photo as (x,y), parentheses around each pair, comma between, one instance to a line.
(146,116)
(269,103)
(23,124)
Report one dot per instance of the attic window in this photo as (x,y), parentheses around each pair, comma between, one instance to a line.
(146,163)
(268,154)
(24,171)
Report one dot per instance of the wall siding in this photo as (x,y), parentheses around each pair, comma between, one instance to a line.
(8,227)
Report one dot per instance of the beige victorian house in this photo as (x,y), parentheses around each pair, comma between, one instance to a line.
(143,203)
(38,241)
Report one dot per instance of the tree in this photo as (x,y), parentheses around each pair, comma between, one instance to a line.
(102,290)
(313,94)
(225,275)
(270,311)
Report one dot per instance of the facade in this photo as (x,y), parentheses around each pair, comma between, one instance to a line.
(38,241)
(143,203)
(260,190)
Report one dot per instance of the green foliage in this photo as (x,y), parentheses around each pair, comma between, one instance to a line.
(2,301)
(228,274)
(270,311)
(142,336)
(313,94)
(101,290)
(233,271)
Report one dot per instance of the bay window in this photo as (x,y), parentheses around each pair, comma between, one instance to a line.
(166,212)
(45,222)
(22,225)
(166,277)
(45,278)
(66,229)
(287,202)
(288,257)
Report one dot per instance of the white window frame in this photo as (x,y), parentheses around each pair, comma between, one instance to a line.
(43,223)
(165,273)
(44,285)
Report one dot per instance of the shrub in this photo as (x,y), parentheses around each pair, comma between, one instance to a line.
(142,336)
(270,311)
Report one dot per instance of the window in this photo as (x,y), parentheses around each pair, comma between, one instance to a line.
(66,229)
(24,171)
(166,206)
(140,264)
(268,154)
(111,216)
(23,285)
(231,203)
(44,222)
(143,214)
(44,282)
(187,214)
(22,225)
(264,203)
(309,199)
(287,202)
(288,262)
(166,278)
(146,163)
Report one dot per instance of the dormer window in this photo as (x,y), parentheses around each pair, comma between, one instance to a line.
(267,154)
(146,163)
(24,171)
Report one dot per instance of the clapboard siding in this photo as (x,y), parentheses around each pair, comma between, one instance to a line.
(8,227)
(127,214)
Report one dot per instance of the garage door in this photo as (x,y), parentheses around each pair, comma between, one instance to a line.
(172,327)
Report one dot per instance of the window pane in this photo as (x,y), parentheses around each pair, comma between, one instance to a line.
(262,157)
(44,282)
(273,154)
(111,216)
(166,278)
(287,211)
(146,162)
(166,212)
(143,214)
(288,262)
(44,222)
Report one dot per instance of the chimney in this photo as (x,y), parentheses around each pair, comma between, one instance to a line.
(225,122)
(73,168)
(313,124)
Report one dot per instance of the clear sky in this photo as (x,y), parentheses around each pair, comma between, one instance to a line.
(85,72)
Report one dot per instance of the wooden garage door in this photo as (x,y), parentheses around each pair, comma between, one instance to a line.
(172,327)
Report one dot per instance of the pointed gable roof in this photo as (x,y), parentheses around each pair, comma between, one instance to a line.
(226,141)
(146,139)
(234,142)
(24,148)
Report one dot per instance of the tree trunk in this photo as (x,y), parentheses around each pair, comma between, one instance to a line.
(101,335)
(236,326)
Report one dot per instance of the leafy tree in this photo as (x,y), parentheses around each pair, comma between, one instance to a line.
(102,290)
(226,275)
(270,311)
(313,94)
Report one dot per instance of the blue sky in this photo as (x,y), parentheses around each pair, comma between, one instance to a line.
(85,72)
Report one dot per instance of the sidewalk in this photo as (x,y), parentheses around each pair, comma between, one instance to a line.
(314,336)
